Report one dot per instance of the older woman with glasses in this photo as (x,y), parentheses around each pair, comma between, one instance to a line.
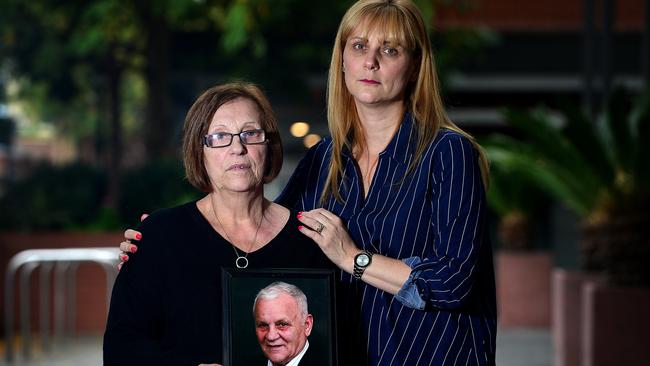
(171,315)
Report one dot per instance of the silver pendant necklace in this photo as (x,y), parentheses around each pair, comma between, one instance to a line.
(242,260)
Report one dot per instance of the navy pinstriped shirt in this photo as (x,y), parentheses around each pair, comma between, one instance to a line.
(434,220)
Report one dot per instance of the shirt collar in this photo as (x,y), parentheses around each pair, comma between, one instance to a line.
(401,146)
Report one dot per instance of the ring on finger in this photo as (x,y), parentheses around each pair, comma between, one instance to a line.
(320,227)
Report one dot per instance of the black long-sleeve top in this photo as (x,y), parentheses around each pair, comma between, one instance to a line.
(166,304)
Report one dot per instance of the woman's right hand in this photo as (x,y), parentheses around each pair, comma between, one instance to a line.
(126,246)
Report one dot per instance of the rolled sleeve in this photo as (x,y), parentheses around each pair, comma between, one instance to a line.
(409,294)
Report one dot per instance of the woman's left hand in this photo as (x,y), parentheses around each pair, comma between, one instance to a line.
(331,235)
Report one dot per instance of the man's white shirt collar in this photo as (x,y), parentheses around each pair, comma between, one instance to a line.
(296,359)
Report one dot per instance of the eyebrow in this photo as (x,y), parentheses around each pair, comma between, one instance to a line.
(390,42)
(256,125)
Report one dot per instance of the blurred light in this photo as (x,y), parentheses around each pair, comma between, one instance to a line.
(299,129)
(310,140)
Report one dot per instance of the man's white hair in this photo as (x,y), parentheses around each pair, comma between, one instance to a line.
(278,288)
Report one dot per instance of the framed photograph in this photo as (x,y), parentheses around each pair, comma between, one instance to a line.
(240,344)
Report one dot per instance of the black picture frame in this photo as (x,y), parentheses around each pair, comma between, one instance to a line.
(240,346)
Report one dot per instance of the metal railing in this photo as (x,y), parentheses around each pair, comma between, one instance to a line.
(63,262)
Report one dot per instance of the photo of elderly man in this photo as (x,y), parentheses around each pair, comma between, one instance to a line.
(282,325)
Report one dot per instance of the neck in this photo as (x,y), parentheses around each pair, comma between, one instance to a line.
(237,207)
(379,124)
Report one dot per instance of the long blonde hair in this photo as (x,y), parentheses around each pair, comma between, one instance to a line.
(400,20)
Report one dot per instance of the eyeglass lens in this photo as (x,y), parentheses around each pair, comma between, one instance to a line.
(223,139)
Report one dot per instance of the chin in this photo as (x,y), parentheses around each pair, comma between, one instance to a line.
(368,99)
(276,357)
(247,185)
(281,361)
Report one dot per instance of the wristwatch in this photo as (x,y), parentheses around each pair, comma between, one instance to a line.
(361,262)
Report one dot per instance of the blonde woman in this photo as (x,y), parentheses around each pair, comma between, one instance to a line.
(396,196)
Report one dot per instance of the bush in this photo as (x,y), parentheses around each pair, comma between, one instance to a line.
(152,187)
(53,198)
(71,197)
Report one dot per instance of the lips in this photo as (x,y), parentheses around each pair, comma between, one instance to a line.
(274,348)
(240,166)
(369,81)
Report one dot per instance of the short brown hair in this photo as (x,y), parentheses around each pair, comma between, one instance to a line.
(198,121)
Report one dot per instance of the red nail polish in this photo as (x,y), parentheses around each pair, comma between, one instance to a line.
(119,266)
(124,258)
(300,227)
(138,236)
(299,215)
(134,249)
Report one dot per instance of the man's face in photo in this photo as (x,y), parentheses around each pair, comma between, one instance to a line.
(281,329)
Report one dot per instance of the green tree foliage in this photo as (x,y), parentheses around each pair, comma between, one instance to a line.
(89,66)
(72,52)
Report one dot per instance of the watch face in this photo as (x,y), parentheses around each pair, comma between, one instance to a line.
(362,260)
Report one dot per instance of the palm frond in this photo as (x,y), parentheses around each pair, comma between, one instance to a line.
(641,140)
(511,191)
(593,167)
(556,181)
(587,142)
(617,131)
(552,145)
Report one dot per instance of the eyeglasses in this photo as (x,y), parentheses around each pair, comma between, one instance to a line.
(223,139)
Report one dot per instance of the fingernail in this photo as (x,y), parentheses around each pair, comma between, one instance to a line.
(299,215)
(138,236)
(119,266)
(124,258)
(134,249)
(300,227)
